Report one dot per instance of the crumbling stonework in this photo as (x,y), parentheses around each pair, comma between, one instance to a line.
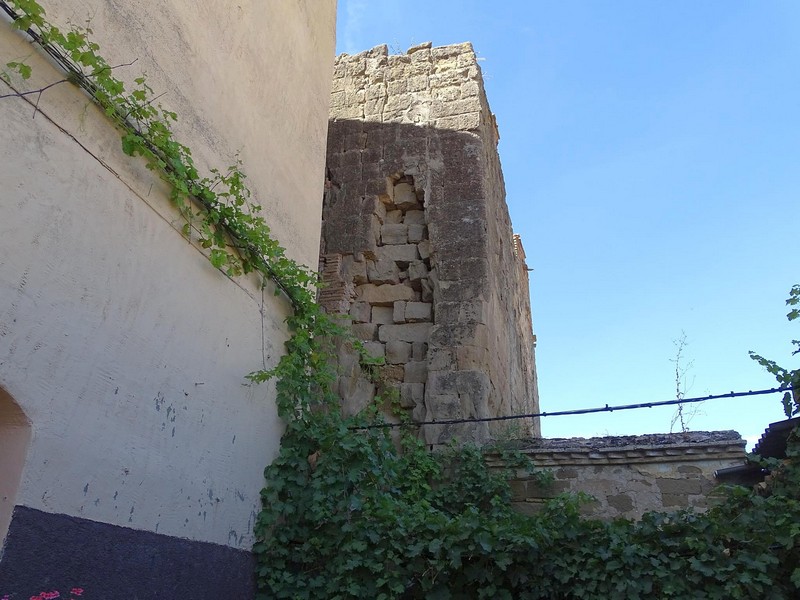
(417,245)
(629,475)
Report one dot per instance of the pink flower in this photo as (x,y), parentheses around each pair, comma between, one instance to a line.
(46,595)
(75,592)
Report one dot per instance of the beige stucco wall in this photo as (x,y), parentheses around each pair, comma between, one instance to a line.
(123,346)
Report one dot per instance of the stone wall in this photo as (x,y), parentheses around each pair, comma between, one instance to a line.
(630,475)
(417,244)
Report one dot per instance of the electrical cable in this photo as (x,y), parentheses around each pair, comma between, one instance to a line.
(580,411)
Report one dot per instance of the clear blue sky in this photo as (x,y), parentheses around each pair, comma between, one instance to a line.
(651,152)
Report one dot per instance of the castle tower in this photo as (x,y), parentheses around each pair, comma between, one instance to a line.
(417,244)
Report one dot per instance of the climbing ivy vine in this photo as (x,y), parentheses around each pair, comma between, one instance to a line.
(350,512)
(218,207)
(787,377)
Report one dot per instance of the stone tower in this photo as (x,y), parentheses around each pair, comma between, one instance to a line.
(417,244)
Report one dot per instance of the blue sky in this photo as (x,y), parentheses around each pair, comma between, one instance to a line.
(651,152)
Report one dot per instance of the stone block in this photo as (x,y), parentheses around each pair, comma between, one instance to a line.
(417,83)
(473,386)
(467,122)
(392,373)
(417,270)
(472,311)
(383,295)
(674,500)
(461,291)
(353,112)
(417,311)
(382,314)
(375,349)
(337,99)
(419,351)
(412,394)
(376,228)
(566,473)
(416,372)
(394,216)
(470,88)
(383,271)
(398,103)
(364,331)
(424,249)
(420,46)
(397,86)
(447,94)
(374,107)
(403,253)
(392,233)
(380,208)
(448,78)
(399,315)
(416,233)
(473,357)
(426,292)
(452,335)
(375,91)
(414,217)
(361,312)
(456,107)
(441,359)
(397,352)
(404,196)
(407,332)
(462,268)
(459,238)
(622,502)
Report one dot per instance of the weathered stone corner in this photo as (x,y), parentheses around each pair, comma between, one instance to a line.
(417,245)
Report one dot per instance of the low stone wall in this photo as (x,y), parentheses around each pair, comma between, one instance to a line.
(629,475)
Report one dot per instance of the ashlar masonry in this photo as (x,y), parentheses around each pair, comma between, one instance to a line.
(417,245)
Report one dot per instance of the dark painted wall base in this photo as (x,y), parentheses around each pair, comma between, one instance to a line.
(46,552)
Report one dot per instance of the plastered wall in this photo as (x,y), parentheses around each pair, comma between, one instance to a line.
(126,350)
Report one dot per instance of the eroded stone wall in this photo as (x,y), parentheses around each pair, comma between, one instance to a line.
(417,245)
(630,475)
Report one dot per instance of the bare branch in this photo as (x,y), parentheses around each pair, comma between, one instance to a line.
(39,91)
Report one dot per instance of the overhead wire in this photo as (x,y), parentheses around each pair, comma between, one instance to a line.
(580,411)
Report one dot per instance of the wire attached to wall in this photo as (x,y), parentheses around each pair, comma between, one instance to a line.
(580,411)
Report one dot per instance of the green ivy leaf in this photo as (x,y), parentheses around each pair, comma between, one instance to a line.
(218,258)
(21,68)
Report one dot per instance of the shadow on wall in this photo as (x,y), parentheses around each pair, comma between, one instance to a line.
(15,433)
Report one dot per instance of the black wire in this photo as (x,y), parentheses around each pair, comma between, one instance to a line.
(580,411)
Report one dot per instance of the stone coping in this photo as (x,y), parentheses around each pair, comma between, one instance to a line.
(650,448)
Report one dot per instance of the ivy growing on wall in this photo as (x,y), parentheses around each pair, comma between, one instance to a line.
(221,215)
(356,513)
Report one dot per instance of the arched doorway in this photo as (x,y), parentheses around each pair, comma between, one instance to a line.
(15,433)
